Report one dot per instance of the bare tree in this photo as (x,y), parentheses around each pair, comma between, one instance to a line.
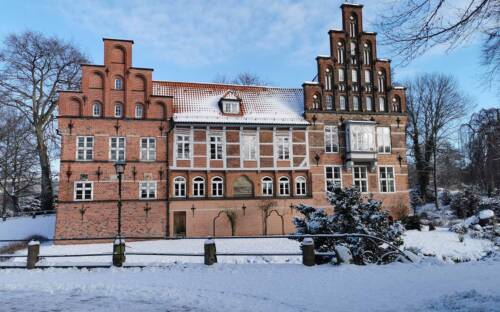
(411,27)
(435,106)
(32,69)
(244,79)
(18,160)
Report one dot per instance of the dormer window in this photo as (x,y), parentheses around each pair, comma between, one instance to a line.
(230,107)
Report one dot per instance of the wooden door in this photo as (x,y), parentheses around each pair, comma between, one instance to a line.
(179,223)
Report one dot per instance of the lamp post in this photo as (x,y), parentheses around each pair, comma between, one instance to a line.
(120,169)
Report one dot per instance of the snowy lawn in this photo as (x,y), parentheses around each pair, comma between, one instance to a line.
(471,286)
(23,227)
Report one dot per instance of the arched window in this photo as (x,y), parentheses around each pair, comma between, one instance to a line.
(328,78)
(180,187)
(353,52)
(369,103)
(96,109)
(367,54)
(198,187)
(342,103)
(381,81)
(118,110)
(139,111)
(217,187)
(316,101)
(284,186)
(300,186)
(341,75)
(340,52)
(267,186)
(352,25)
(118,83)
(355,103)
(354,74)
(396,104)
(329,102)
(381,104)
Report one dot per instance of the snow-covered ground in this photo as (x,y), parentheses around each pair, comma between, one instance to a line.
(471,286)
(23,227)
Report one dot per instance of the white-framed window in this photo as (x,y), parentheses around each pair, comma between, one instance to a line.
(249,146)
(381,104)
(367,54)
(284,186)
(84,147)
(328,78)
(183,146)
(368,76)
(198,187)
(355,103)
(117,148)
(180,187)
(360,178)
(333,177)
(118,84)
(340,52)
(381,81)
(316,101)
(329,102)
(139,111)
(300,186)
(283,144)
(354,75)
(341,75)
(147,189)
(352,26)
(362,138)
(84,190)
(148,149)
(386,179)
(331,139)
(267,186)
(118,110)
(231,107)
(215,146)
(342,103)
(217,187)
(369,103)
(384,140)
(96,109)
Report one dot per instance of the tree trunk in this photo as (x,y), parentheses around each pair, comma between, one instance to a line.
(46,193)
(434,173)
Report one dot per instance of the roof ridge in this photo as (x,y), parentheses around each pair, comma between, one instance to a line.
(215,84)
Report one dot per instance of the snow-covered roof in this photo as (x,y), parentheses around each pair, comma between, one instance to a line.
(199,103)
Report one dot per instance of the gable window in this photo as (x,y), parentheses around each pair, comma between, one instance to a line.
(386,179)
(180,187)
(198,187)
(333,177)
(85,148)
(147,189)
(331,139)
(329,102)
(300,186)
(215,147)
(360,178)
(249,146)
(148,149)
(396,104)
(183,146)
(116,148)
(352,26)
(381,104)
(139,111)
(369,103)
(355,103)
(83,190)
(231,107)
(118,84)
(328,79)
(217,187)
(384,140)
(367,54)
(283,143)
(353,53)
(118,110)
(316,102)
(342,103)
(340,53)
(381,81)
(267,186)
(341,75)
(96,109)
(284,186)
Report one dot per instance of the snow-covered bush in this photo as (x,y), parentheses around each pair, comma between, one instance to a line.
(445,197)
(465,203)
(477,229)
(352,215)
(412,222)
(490,203)
(415,199)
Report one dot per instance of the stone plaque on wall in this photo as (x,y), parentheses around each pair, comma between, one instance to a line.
(243,187)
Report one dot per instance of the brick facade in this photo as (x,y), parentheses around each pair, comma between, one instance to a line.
(118,100)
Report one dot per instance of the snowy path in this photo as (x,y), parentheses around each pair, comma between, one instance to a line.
(463,287)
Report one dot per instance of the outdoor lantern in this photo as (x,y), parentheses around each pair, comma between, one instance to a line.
(120,167)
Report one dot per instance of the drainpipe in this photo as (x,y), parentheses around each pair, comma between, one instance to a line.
(167,182)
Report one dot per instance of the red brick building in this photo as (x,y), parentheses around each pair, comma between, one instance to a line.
(200,154)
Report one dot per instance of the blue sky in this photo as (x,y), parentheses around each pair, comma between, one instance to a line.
(198,40)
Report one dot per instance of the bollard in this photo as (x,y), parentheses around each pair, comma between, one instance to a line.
(118,251)
(33,252)
(210,252)
(308,252)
